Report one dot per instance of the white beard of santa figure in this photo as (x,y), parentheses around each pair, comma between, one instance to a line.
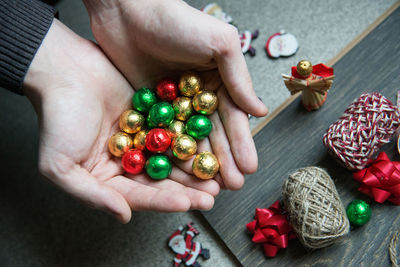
(186,250)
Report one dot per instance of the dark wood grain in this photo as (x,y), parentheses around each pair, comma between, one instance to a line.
(293,139)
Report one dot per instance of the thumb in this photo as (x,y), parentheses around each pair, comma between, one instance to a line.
(81,184)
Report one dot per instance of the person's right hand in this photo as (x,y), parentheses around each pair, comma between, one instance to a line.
(151,39)
(79,96)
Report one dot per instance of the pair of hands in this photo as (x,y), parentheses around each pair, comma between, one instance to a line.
(79,91)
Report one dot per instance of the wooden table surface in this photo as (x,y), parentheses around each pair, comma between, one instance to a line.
(293,139)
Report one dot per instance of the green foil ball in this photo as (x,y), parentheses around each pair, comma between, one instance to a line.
(198,126)
(150,124)
(143,100)
(358,212)
(158,167)
(161,114)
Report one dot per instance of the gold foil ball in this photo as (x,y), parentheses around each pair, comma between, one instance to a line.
(189,83)
(140,139)
(184,147)
(205,102)
(177,127)
(182,107)
(304,68)
(131,121)
(205,165)
(120,143)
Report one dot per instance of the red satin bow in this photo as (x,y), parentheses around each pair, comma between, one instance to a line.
(381,180)
(320,70)
(271,228)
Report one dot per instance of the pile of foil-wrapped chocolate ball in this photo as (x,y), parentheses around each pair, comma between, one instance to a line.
(173,117)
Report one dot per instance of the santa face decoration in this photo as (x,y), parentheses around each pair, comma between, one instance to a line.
(178,244)
(281,44)
(186,250)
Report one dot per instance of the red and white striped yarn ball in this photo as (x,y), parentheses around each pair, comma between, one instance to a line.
(367,124)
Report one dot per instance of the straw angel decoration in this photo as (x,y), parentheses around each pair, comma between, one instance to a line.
(313,81)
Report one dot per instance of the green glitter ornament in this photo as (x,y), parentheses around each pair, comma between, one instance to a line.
(143,100)
(358,212)
(161,114)
(198,126)
(158,167)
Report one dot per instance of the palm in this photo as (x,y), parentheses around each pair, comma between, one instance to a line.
(178,42)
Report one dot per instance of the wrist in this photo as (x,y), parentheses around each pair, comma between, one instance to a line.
(52,62)
(99,5)
(101,10)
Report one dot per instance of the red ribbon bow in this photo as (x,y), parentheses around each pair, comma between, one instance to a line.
(271,228)
(320,70)
(381,180)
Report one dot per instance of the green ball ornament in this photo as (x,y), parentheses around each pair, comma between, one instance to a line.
(161,114)
(150,124)
(358,212)
(198,126)
(143,100)
(158,167)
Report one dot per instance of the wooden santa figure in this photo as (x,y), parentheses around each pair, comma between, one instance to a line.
(186,250)
(312,81)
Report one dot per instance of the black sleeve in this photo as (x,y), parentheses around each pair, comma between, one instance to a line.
(23,26)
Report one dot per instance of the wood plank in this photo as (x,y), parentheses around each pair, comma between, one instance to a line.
(293,139)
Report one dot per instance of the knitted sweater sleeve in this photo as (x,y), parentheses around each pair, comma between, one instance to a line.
(23,26)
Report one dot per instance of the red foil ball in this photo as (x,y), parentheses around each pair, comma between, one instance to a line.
(158,140)
(167,90)
(171,135)
(133,161)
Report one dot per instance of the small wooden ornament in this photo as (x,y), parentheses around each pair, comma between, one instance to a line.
(281,44)
(313,81)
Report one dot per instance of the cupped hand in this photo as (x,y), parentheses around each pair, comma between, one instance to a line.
(79,95)
(150,40)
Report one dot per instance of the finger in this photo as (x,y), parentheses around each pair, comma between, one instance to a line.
(220,181)
(209,186)
(82,185)
(198,199)
(212,80)
(183,174)
(232,178)
(186,165)
(236,125)
(142,197)
(235,75)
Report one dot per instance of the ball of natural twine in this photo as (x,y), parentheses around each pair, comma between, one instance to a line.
(314,208)
(367,123)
